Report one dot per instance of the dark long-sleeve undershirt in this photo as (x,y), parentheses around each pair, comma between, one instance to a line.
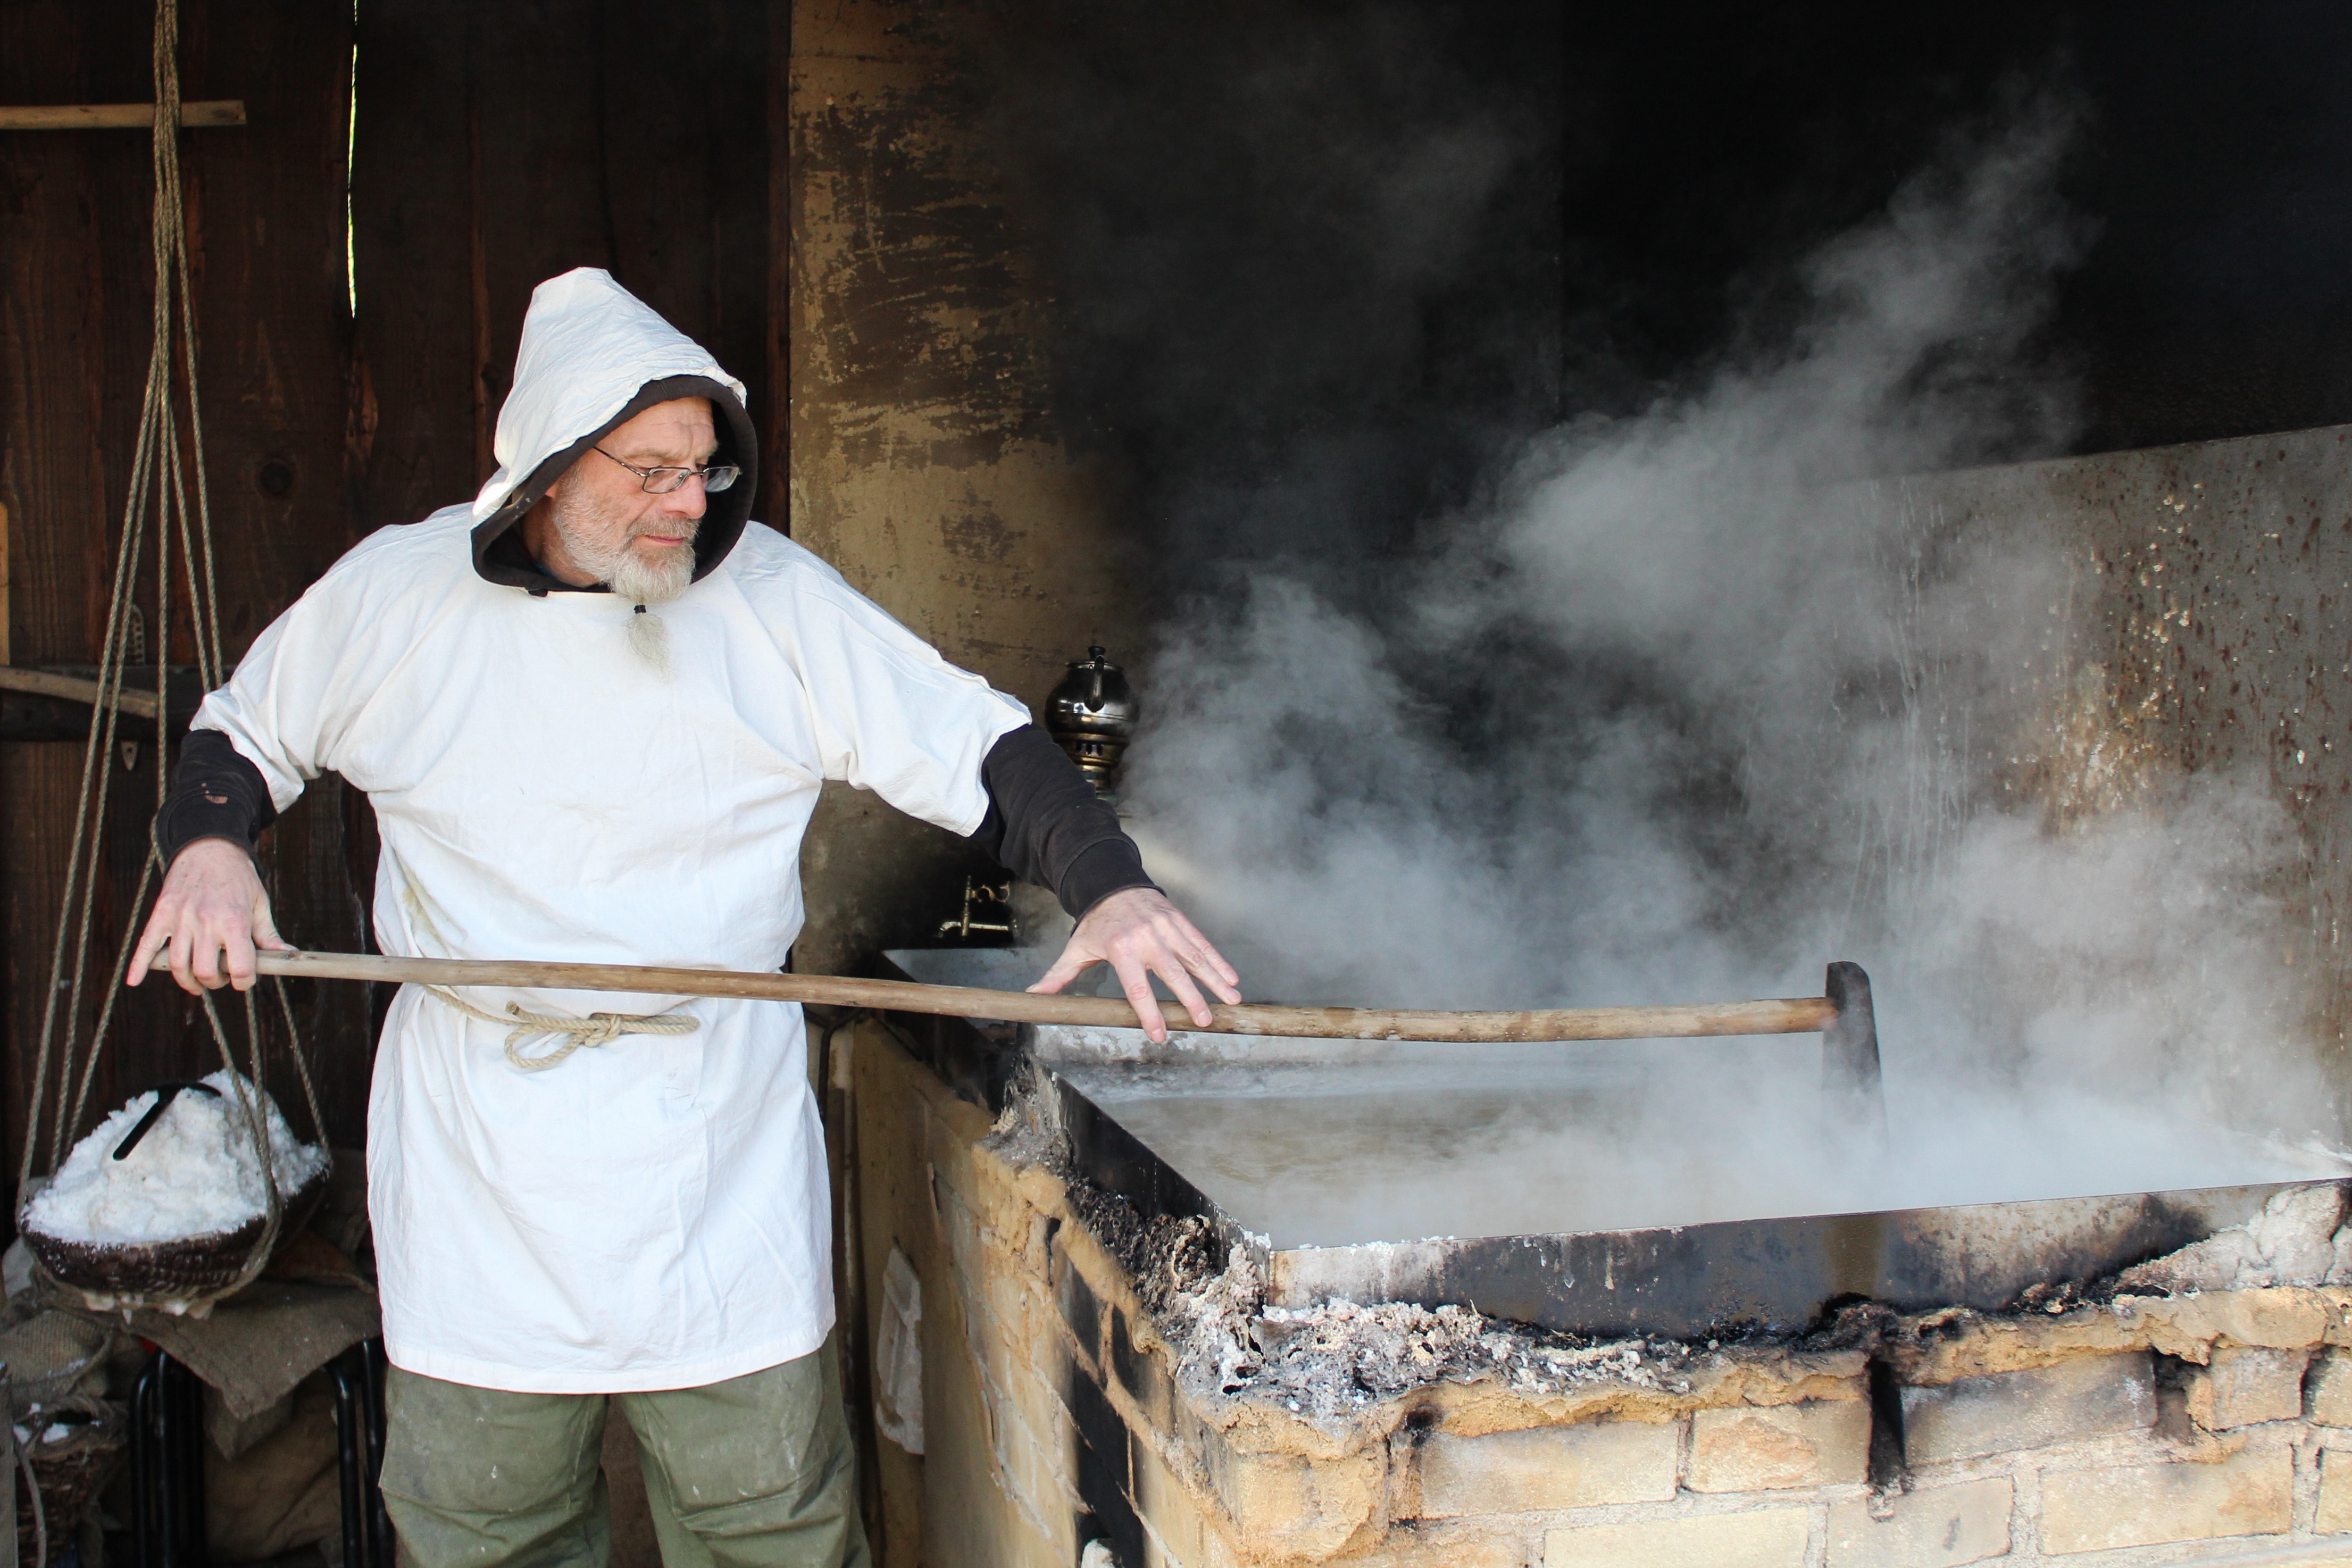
(216,793)
(1044,823)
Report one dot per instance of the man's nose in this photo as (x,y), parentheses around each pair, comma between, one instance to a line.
(688,501)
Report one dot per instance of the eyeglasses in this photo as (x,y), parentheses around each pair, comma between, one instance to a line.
(661,481)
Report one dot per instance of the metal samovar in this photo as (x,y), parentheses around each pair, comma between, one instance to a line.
(1092,713)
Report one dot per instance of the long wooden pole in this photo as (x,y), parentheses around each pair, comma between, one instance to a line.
(1792,1015)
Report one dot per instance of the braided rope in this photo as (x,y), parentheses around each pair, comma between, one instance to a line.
(596,1029)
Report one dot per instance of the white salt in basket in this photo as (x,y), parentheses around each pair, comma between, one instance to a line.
(177,1219)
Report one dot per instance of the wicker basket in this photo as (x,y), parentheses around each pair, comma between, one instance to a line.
(70,1471)
(175,1270)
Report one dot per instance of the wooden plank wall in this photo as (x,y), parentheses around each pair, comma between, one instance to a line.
(656,118)
(496,146)
(265,213)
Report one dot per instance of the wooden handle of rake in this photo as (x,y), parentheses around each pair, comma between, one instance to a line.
(1794,1016)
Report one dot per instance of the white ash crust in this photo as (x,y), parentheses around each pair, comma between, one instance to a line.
(2299,1238)
(1334,1358)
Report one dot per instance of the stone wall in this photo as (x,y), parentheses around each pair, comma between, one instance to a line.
(2192,1427)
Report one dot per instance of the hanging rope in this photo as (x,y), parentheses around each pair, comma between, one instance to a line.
(160,486)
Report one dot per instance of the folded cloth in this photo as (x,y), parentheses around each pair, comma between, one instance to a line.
(261,1343)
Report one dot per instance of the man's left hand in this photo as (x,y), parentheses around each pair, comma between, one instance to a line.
(1139,933)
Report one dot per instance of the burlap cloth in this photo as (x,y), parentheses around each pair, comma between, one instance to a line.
(52,1356)
(282,1491)
(309,1307)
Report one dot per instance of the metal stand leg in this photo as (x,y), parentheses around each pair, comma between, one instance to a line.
(10,1461)
(379,1519)
(167,1466)
(358,1375)
(350,1468)
(143,1535)
(189,1444)
(167,1461)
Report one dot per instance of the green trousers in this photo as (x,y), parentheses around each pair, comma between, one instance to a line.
(755,1472)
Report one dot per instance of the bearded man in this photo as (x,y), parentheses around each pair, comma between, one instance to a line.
(591,712)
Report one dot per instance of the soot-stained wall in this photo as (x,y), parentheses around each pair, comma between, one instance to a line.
(926,460)
(2207,163)
(1311,264)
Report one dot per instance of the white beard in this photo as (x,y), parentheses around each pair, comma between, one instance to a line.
(649,638)
(634,579)
(644,582)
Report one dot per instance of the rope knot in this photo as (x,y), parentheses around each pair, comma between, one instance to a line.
(596,1029)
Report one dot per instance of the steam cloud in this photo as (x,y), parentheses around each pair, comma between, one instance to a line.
(1696,698)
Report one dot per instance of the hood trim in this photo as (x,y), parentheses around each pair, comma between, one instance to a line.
(722,520)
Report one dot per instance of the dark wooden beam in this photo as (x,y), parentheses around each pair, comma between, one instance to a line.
(116,116)
(78,688)
(529,139)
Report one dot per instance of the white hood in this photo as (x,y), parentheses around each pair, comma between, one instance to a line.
(595,355)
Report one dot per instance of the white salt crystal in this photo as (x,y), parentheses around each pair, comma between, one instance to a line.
(195,1173)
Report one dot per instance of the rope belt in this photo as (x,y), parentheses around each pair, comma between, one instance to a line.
(596,1029)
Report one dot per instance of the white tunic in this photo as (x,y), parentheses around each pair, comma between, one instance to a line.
(652,1212)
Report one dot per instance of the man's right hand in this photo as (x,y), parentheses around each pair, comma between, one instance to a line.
(209,917)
